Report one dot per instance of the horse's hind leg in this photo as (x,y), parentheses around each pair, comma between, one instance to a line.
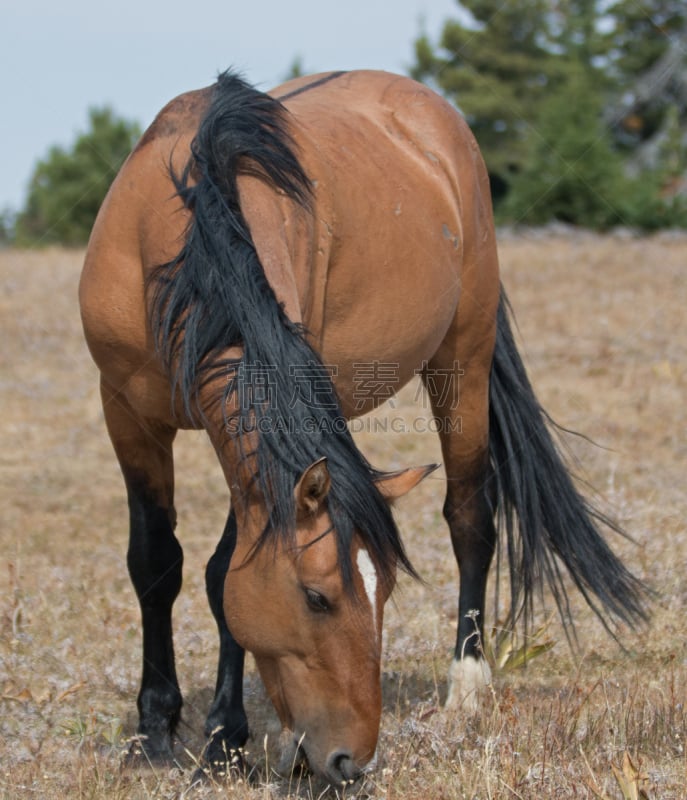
(227,725)
(457,380)
(154,558)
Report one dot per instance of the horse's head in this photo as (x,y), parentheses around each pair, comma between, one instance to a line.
(315,631)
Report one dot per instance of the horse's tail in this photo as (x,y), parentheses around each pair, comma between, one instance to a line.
(555,523)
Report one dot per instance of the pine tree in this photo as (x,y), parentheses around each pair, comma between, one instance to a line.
(545,81)
(495,68)
(638,33)
(647,47)
(571,171)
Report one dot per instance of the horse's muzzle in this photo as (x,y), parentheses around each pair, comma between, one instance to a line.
(341,769)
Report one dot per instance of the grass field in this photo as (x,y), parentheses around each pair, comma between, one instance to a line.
(602,322)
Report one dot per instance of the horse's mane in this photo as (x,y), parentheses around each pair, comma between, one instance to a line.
(214,295)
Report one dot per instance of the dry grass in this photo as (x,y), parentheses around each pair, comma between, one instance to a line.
(602,321)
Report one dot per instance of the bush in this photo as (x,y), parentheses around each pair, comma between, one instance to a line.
(68,186)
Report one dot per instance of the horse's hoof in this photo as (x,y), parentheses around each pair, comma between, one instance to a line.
(142,752)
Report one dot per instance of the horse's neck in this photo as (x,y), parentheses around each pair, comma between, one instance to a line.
(231,432)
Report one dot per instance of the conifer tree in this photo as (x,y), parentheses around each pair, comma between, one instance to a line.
(543,81)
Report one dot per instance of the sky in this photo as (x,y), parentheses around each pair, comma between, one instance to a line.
(58,59)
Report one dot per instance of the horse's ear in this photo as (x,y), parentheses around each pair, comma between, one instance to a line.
(395,484)
(312,487)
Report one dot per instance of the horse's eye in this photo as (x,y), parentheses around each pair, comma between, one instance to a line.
(317,602)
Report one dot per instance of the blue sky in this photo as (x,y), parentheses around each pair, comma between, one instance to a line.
(59,59)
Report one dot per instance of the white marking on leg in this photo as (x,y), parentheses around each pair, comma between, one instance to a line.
(466,678)
(369,576)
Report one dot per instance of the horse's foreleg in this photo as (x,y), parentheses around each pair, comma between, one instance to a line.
(226,726)
(154,558)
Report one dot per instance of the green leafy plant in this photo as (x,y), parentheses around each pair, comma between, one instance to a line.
(506,651)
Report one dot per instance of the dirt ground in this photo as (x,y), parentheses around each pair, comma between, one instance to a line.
(602,325)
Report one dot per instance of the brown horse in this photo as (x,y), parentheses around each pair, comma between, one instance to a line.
(254,254)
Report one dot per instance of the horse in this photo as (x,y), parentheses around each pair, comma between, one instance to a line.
(253,252)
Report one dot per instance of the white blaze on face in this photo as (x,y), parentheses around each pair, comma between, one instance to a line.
(369,575)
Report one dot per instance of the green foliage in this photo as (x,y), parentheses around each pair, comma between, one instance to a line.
(544,86)
(571,172)
(69,185)
(640,34)
(296,69)
(649,209)
(658,197)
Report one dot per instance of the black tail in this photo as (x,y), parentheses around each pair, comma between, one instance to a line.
(556,524)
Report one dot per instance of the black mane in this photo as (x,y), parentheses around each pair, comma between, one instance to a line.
(214,295)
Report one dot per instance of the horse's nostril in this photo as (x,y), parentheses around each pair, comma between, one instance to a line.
(341,768)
